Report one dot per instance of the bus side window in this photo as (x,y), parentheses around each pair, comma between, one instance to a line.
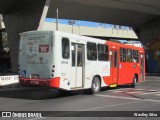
(122,55)
(135,56)
(65,48)
(102,52)
(79,56)
(91,51)
(73,54)
(129,55)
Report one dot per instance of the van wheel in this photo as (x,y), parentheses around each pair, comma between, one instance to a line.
(133,85)
(95,86)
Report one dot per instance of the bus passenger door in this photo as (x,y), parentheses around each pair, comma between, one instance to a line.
(142,67)
(77,65)
(114,66)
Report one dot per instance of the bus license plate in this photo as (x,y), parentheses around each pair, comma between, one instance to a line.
(34,82)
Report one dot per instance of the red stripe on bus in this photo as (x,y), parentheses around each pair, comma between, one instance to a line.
(107,80)
(55,82)
(34,82)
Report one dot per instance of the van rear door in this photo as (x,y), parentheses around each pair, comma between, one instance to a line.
(35,57)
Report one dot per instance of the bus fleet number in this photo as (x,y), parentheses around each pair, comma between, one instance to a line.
(43,48)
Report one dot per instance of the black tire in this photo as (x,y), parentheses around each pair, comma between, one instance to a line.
(95,86)
(133,85)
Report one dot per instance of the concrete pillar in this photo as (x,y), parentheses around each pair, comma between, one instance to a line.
(20,19)
(149,35)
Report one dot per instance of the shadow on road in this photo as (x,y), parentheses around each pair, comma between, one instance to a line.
(40,93)
(35,93)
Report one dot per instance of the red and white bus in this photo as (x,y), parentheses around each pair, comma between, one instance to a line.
(71,62)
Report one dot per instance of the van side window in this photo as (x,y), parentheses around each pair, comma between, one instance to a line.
(65,48)
(102,52)
(91,51)
(135,56)
(129,55)
(122,55)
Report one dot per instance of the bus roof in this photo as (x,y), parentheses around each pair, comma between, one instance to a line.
(70,35)
(83,37)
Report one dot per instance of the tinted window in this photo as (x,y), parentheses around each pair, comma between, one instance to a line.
(102,52)
(129,55)
(79,56)
(65,48)
(122,54)
(73,54)
(91,51)
(111,58)
(115,59)
(135,56)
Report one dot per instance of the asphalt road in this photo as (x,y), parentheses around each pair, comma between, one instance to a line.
(145,97)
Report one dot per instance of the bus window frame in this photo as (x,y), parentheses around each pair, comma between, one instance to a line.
(104,53)
(129,56)
(68,51)
(92,51)
(123,55)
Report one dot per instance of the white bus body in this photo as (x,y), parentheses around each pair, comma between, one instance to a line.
(44,60)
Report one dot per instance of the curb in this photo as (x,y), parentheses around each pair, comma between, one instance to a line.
(16,85)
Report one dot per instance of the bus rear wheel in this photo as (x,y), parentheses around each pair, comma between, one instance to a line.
(133,85)
(95,86)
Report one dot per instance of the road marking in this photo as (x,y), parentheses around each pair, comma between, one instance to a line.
(121,104)
(155,93)
(101,107)
(114,105)
(152,90)
(133,91)
(151,100)
(130,90)
(138,91)
(124,89)
(148,100)
(90,109)
(152,80)
(118,97)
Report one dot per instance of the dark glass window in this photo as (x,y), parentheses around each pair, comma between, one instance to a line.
(129,55)
(73,54)
(102,52)
(79,55)
(91,51)
(122,54)
(135,56)
(115,59)
(65,48)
